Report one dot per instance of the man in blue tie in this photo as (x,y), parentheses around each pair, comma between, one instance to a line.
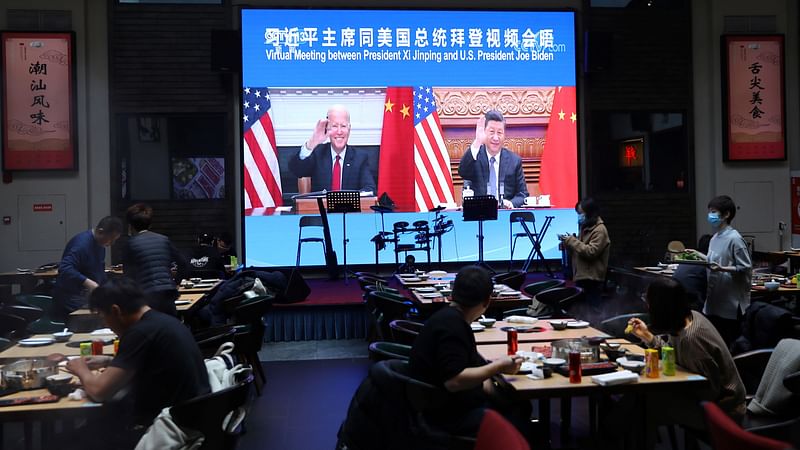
(491,168)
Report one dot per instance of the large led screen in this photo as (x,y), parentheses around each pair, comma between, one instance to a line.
(393,104)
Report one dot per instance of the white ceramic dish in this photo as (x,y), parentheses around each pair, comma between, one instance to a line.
(577,324)
(431,295)
(632,365)
(554,362)
(437,273)
(426,289)
(35,342)
(182,302)
(62,336)
(411,280)
(476,326)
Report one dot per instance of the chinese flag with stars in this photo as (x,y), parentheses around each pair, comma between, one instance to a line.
(559,170)
(396,165)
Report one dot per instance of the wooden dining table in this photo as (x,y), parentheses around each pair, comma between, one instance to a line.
(495,334)
(18,351)
(199,288)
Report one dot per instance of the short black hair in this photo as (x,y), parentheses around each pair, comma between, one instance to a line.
(109,225)
(703,243)
(669,306)
(591,210)
(724,204)
(120,291)
(494,115)
(473,285)
(139,216)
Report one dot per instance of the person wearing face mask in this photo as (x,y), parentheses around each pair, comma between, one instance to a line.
(489,166)
(730,270)
(589,252)
(329,161)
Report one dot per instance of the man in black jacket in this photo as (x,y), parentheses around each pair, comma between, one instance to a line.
(148,260)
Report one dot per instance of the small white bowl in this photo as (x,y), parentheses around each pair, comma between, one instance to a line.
(62,336)
(771,285)
(554,362)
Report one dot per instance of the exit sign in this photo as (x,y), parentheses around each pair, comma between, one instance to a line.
(42,207)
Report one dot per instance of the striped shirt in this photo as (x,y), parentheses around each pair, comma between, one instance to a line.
(700,349)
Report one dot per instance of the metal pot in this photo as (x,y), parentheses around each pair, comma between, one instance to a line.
(28,373)
(589,353)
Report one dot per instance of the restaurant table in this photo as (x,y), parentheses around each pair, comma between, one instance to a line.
(559,386)
(446,279)
(499,302)
(495,335)
(17,351)
(205,287)
(68,411)
(785,288)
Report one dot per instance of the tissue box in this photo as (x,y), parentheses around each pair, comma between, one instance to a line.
(615,378)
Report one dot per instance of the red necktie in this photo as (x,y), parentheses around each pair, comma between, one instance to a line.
(336,182)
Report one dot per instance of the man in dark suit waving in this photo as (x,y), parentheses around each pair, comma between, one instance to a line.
(488,165)
(333,165)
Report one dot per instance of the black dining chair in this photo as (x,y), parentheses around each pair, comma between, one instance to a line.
(214,415)
(513,279)
(559,300)
(210,339)
(405,331)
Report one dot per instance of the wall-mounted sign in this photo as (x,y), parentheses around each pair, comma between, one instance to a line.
(39,129)
(753,98)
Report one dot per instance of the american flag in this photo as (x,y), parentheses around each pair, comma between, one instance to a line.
(262,175)
(433,183)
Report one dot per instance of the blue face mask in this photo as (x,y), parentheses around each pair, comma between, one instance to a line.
(581,219)
(714,219)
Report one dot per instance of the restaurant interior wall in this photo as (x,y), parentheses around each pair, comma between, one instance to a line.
(161,71)
(641,89)
(85,191)
(762,188)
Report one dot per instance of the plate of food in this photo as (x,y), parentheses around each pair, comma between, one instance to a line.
(577,324)
(689,258)
(426,289)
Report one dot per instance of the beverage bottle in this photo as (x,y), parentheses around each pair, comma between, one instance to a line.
(511,340)
(574,366)
(97,347)
(651,363)
(668,361)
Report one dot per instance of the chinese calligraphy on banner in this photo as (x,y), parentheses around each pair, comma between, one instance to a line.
(754,104)
(38,101)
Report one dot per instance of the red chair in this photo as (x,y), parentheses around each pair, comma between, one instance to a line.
(727,435)
(497,432)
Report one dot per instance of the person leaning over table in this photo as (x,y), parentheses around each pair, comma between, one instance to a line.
(730,270)
(589,252)
(444,354)
(158,363)
(699,348)
(148,258)
(83,264)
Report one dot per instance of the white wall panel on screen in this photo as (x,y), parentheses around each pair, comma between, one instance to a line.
(295,112)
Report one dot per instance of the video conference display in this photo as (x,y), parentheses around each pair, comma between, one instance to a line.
(393,104)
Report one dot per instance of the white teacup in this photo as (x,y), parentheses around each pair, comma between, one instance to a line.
(530,201)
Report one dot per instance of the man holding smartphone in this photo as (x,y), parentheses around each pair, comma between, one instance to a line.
(329,161)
